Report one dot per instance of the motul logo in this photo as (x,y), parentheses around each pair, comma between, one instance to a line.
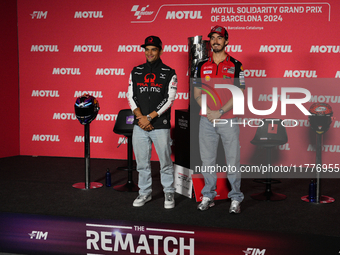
(130,48)
(269,97)
(184,15)
(45,93)
(255,73)
(106,117)
(181,96)
(44,48)
(284,147)
(93,139)
(122,140)
(325,148)
(175,48)
(45,138)
(89,14)
(87,48)
(64,116)
(300,74)
(110,71)
(122,94)
(233,48)
(276,48)
(325,49)
(325,99)
(96,94)
(66,71)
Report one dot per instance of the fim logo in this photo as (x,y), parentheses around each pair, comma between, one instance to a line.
(39,14)
(38,235)
(254,251)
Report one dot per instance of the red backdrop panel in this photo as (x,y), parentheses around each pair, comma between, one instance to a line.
(67,48)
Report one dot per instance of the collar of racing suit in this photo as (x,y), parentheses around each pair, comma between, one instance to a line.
(154,64)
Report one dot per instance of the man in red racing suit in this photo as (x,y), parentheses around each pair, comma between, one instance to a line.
(220,68)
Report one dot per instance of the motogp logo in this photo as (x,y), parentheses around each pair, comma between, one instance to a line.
(141,12)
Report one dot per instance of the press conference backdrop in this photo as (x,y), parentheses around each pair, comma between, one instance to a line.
(68,48)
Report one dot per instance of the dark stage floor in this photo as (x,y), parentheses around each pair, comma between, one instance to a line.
(43,186)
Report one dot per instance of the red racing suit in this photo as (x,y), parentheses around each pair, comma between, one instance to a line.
(229,71)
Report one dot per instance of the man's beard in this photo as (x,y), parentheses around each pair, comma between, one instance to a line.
(217,50)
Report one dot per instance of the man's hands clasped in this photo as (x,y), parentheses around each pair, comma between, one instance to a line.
(144,123)
(213,115)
